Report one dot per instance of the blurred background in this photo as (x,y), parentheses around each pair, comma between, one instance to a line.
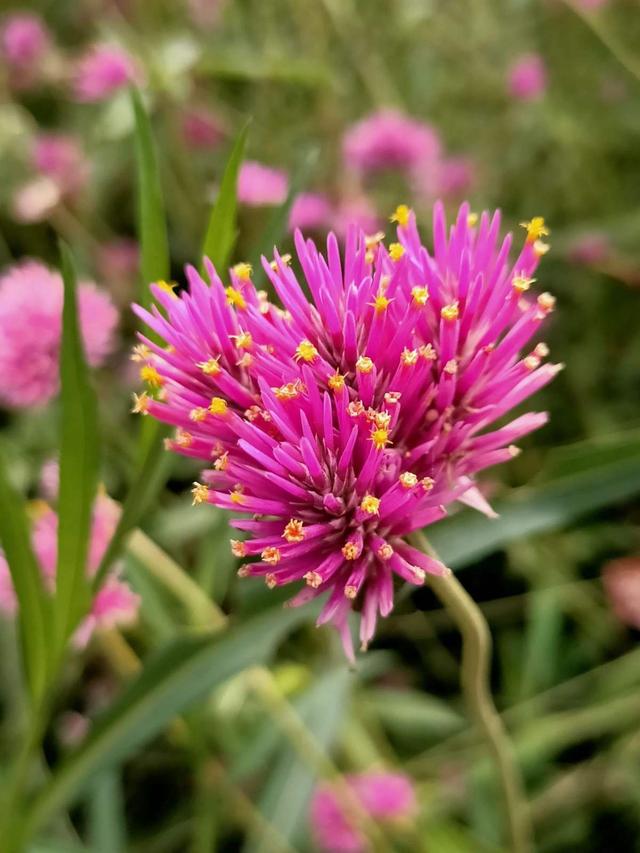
(525,105)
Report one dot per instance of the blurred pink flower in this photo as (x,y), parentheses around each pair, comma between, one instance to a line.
(384,797)
(49,479)
(118,263)
(621,580)
(202,128)
(389,139)
(60,157)
(591,5)
(456,176)
(592,247)
(24,40)
(527,77)
(102,71)
(35,200)
(359,211)
(310,211)
(205,13)
(260,185)
(31,298)
(72,728)
(114,603)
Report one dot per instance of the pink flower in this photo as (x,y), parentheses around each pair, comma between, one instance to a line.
(35,200)
(389,139)
(31,298)
(24,40)
(383,796)
(342,425)
(527,78)
(114,604)
(592,247)
(356,211)
(260,185)
(60,157)
(202,128)
(119,263)
(101,72)
(310,211)
(205,13)
(456,176)
(621,580)
(591,5)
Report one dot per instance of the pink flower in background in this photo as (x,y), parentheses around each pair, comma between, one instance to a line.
(591,5)
(389,139)
(25,40)
(621,580)
(35,200)
(101,72)
(60,157)
(384,797)
(118,263)
(592,247)
(456,176)
(205,13)
(114,604)
(260,185)
(31,298)
(357,211)
(527,77)
(342,425)
(202,128)
(310,211)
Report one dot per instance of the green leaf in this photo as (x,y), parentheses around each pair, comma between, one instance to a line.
(79,459)
(149,480)
(285,797)
(245,65)
(152,226)
(27,581)
(468,536)
(172,680)
(106,814)
(412,715)
(221,230)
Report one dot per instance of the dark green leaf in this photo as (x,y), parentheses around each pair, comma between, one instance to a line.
(106,814)
(79,458)
(221,230)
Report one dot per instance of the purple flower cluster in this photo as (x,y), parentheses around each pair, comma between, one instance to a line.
(340,425)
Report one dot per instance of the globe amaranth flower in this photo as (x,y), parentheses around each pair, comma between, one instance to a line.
(60,157)
(342,424)
(621,581)
(260,185)
(103,70)
(31,300)
(115,603)
(388,139)
(386,797)
(25,43)
(527,78)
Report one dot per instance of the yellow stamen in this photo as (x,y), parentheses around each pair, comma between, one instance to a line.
(385,552)
(392,398)
(246,360)
(522,283)
(451,367)
(350,551)
(289,391)
(409,357)
(243,271)
(336,382)
(150,375)
(243,340)
(238,548)
(541,248)
(198,414)
(218,406)
(141,352)
(370,505)
(271,555)
(183,438)
(531,362)
(546,302)
(364,364)
(427,483)
(306,351)
(210,367)
(396,251)
(222,462)
(167,287)
(408,479)
(294,530)
(355,408)
(535,229)
(401,214)
(313,579)
(234,297)
(420,295)
(200,493)
(350,592)
(271,580)
(140,403)
(236,496)
(286,260)
(380,303)
(373,240)
(472,220)
(541,350)
(450,312)
(427,352)
(380,438)
(382,419)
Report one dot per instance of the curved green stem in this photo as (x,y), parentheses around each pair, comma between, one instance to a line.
(476,661)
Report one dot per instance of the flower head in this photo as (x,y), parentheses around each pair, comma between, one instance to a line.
(61,158)
(260,185)
(31,298)
(310,211)
(202,128)
(527,78)
(621,580)
(24,40)
(384,797)
(389,139)
(353,426)
(101,72)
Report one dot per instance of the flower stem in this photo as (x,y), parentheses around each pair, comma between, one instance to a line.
(476,660)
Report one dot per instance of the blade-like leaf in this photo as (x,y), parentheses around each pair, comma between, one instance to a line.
(468,536)
(173,679)
(152,227)
(27,582)
(79,451)
(106,814)
(221,230)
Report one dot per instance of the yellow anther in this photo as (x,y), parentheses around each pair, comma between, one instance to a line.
(210,367)
(450,312)
(150,375)
(222,462)
(197,415)
(167,287)
(514,451)
(401,214)
(370,505)
(246,360)
(373,240)
(521,283)
(350,592)
(535,229)
(427,483)
(271,580)
(396,251)
(306,351)
(294,530)
(336,382)
(313,579)
(243,271)
(420,296)
(408,479)
(237,496)
(418,573)
(409,357)
(364,364)
(546,302)
(271,555)
(350,551)
(382,419)
(381,303)
(541,350)
(286,260)
(472,220)
(541,248)
(234,297)
(218,406)
(355,408)
(392,398)
(140,403)
(380,438)
(141,352)
(451,367)
(200,493)
(243,340)
(238,547)
(427,352)
(183,438)
(531,362)
(385,552)
(289,391)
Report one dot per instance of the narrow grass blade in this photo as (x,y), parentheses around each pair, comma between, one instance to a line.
(221,230)
(79,459)
(107,830)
